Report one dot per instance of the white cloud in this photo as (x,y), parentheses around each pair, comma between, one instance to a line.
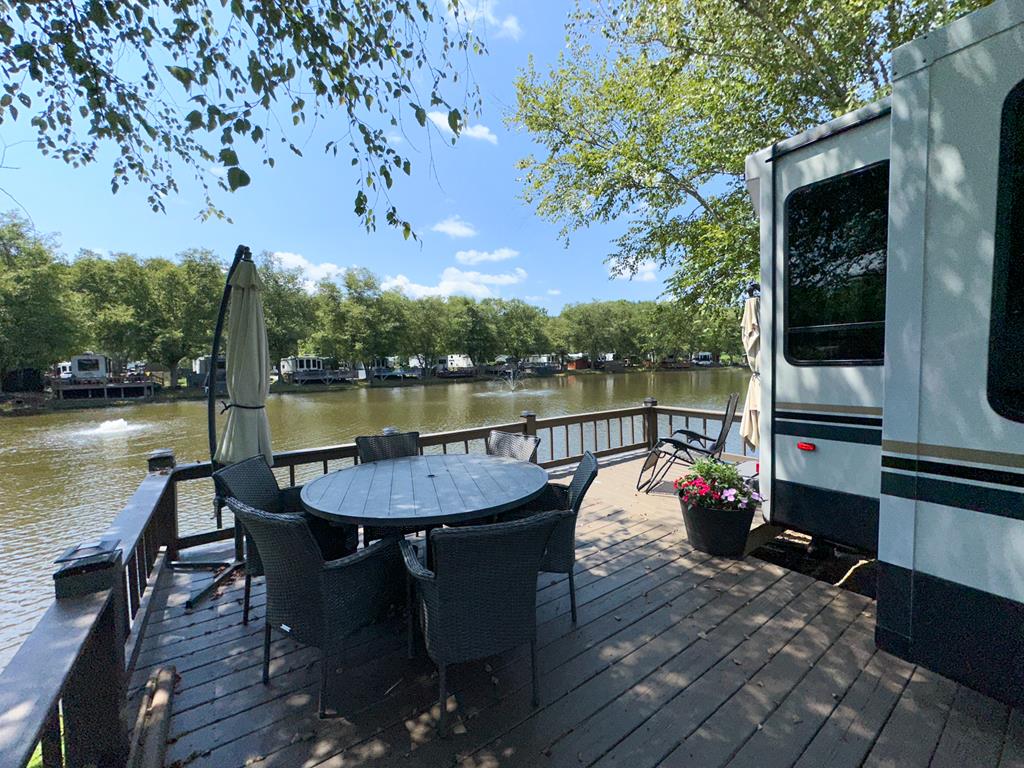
(474,11)
(454,226)
(219,171)
(554,292)
(311,273)
(478,257)
(510,28)
(646,272)
(478,131)
(455,281)
(481,132)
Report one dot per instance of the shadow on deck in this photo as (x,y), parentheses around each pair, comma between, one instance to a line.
(678,659)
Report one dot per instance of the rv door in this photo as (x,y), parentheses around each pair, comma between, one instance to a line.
(826,268)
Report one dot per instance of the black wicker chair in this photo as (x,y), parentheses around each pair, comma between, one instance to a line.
(669,451)
(560,556)
(378,448)
(480,599)
(317,602)
(512,445)
(253,483)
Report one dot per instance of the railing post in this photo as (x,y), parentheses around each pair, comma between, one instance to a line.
(529,423)
(650,421)
(162,460)
(94,695)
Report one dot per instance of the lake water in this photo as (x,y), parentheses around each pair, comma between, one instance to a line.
(65,475)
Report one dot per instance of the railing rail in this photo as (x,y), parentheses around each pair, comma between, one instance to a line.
(65,687)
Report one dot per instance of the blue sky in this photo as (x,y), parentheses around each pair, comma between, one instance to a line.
(476,236)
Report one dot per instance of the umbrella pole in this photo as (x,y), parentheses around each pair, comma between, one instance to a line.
(227,569)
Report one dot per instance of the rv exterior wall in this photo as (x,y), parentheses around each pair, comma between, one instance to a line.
(951,526)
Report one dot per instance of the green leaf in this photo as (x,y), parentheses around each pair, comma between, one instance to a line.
(194,120)
(237,178)
(182,75)
(421,114)
(454,120)
(229,157)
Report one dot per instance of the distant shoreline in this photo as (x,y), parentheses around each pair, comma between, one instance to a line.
(18,404)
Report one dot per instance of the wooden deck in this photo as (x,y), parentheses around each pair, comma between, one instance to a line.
(677,660)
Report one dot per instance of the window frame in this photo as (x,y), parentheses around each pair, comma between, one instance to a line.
(849,362)
(1009,197)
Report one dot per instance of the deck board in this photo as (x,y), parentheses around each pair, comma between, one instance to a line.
(678,658)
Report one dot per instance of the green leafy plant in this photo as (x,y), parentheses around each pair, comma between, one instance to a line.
(716,485)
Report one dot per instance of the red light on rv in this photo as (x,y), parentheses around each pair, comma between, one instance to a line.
(807,446)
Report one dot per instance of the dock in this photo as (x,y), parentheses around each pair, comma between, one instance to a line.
(678,659)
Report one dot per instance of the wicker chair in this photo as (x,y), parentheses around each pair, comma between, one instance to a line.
(253,483)
(481,597)
(560,556)
(378,448)
(317,602)
(512,445)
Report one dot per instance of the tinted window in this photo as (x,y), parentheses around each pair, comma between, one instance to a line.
(836,233)
(1006,337)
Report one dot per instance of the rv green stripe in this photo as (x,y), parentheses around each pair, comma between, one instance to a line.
(861,435)
(978,498)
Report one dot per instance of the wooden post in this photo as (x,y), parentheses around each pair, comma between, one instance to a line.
(162,460)
(650,421)
(529,423)
(95,731)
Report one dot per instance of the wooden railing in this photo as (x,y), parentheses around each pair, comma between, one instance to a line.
(64,691)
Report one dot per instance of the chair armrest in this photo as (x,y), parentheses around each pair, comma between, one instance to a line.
(291,500)
(691,435)
(359,588)
(413,566)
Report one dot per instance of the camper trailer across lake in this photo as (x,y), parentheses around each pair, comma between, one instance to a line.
(892,328)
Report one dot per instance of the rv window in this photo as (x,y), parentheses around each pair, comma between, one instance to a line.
(89,364)
(836,233)
(1006,334)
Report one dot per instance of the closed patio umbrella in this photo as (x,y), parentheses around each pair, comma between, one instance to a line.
(750,429)
(247,367)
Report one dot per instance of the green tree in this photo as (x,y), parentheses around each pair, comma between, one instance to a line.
(427,331)
(329,333)
(117,296)
(287,307)
(648,116)
(183,85)
(38,323)
(521,328)
(472,328)
(186,297)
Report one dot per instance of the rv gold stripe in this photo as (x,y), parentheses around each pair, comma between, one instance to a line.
(860,410)
(953,453)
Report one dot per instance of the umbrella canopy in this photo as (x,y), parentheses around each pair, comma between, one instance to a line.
(247,363)
(750,429)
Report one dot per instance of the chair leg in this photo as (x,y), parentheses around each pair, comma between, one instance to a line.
(442,722)
(266,652)
(324,665)
(533,672)
(410,619)
(246,594)
(572,594)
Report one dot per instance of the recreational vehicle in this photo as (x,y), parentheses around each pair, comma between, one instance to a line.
(90,368)
(305,369)
(892,332)
(704,359)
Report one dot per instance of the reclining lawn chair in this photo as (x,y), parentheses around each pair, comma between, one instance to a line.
(669,451)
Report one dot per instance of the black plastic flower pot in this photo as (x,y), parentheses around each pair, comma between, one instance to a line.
(720,532)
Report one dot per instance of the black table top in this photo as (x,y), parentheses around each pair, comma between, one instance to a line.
(427,490)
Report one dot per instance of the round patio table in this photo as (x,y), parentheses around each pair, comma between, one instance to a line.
(423,490)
